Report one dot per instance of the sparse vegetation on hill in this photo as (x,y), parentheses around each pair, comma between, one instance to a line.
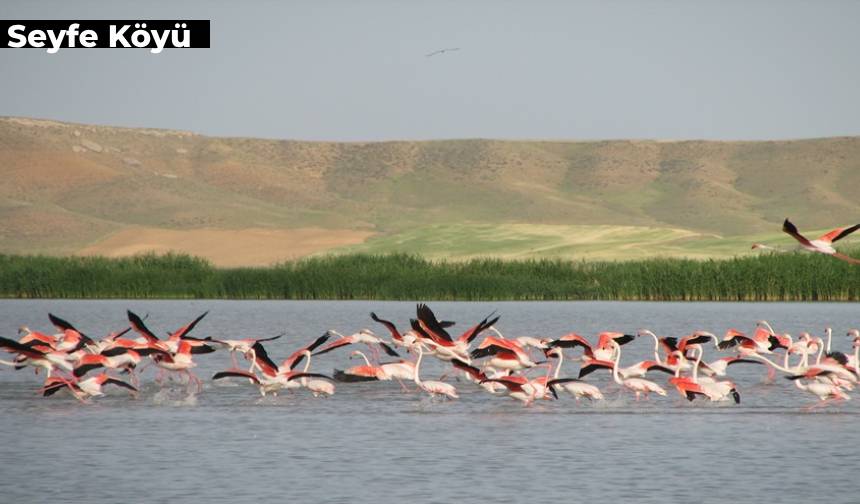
(70,187)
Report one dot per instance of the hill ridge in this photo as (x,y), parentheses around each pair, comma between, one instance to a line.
(72,187)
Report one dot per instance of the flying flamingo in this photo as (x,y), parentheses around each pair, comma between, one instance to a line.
(406,340)
(361,373)
(506,354)
(37,355)
(824,243)
(519,387)
(477,376)
(365,336)
(180,362)
(400,370)
(90,387)
(242,346)
(70,339)
(432,333)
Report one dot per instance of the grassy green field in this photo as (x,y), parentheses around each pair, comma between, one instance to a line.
(772,277)
(462,241)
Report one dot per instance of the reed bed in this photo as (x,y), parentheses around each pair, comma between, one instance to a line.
(775,277)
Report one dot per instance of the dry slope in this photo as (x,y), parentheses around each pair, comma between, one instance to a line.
(68,188)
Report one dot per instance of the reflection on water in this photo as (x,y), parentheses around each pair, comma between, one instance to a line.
(371,441)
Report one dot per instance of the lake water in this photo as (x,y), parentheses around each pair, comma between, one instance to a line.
(371,442)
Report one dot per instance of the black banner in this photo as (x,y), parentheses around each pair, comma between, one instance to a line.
(156,35)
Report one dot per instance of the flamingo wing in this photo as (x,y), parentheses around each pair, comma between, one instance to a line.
(182,331)
(140,328)
(120,383)
(571,340)
(309,375)
(693,340)
(350,377)
(473,332)
(61,324)
(512,383)
(656,366)
(13,346)
(838,234)
(592,366)
(738,360)
(735,340)
(333,346)
(472,370)
(428,320)
(388,325)
(558,381)
(238,373)
(390,351)
(262,359)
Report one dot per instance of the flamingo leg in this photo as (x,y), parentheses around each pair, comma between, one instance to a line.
(402,385)
(771,374)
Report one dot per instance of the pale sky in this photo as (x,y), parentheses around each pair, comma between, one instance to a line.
(356,70)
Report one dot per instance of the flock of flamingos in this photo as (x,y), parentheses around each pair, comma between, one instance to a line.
(527,369)
(499,365)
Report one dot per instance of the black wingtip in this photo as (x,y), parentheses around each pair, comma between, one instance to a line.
(390,351)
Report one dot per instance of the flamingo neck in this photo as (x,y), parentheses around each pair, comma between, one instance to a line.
(615,376)
(561,359)
(820,350)
(418,366)
(366,360)
(308,361)
(768,361)
(856,356)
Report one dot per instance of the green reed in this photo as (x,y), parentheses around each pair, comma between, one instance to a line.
(775,277)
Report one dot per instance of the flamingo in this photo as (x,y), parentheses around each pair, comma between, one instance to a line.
(824,243)
(316,386)
(174,339)
(401,370)
(477,376)
(434,388)
(827,393)
(90,387)
(28,336)
(365,336)
(574,386)
(718,367)
(519,387)
(432,333)
(505,354)
(40,356)
(639,386)
(406,340)
(242,346)
(180,362)
(70,339)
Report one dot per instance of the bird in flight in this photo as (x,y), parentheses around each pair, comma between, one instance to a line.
(824,244)
(440,51)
